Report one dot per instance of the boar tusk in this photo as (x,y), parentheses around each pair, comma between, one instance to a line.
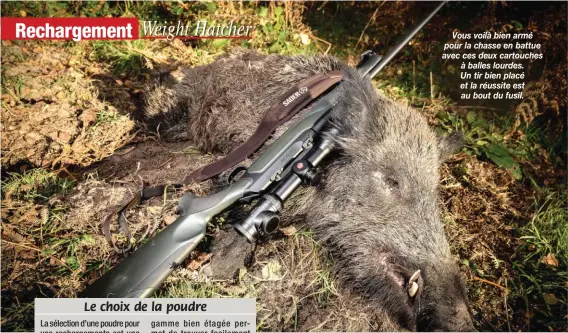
(413,289)
(414,277)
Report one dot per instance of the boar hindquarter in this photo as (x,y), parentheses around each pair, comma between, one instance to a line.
(376,208)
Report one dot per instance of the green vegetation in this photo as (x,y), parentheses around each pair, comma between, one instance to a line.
(483,138)
(13,86)
(36,184)
(121,56)
(190,289)
(542,261)
(105,116)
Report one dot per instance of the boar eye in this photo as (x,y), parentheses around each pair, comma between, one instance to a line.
(392,183)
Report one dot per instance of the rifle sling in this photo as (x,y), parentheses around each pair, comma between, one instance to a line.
(289,104)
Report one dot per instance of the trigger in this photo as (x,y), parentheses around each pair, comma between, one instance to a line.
(237,172)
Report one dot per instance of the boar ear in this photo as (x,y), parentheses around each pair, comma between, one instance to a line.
(448,145)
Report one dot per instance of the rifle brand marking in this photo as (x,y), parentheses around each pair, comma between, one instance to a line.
(295,95)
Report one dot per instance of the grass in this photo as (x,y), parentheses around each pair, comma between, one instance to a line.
(79,9)
(40,185)
(33,227)
(44,232)
(539,261)
(190,289)
(67,248)
(105,116)
(323,286)
(274,34)
(21,314)
(486,138)
(326,286)
(36,184)
(547,229)
(309,281)
(120,55)
(542,263)
(13,86)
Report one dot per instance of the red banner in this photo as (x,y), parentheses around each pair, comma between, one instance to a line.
(77,29)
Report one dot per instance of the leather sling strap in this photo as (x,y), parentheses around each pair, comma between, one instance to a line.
(284,108)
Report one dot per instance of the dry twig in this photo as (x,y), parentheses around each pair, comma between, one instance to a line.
(147,55)
(372,19)
(491,283)
(322,40)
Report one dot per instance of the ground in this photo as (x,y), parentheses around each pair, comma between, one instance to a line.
(74,148)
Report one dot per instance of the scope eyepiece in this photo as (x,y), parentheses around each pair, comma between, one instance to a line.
(269,222)
(263,219)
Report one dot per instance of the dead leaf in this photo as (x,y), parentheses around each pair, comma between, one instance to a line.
(528,314)
(33,137)
(88,117)
(289,231)
(305,38)
(154,210)
(169,219)
(271,271)
(550,299)
(550,260)
(199,260)
(64,136)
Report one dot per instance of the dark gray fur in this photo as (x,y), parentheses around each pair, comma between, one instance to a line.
(376,210)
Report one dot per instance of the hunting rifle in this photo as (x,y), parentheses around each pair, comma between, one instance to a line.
(285,165)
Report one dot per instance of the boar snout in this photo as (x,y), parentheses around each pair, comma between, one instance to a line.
(458,321)
(445,306)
